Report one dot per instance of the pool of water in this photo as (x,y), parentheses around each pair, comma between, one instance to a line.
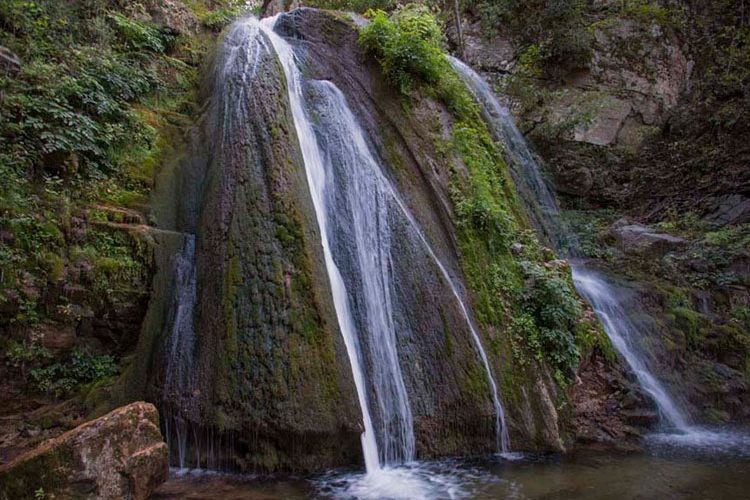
(706,465)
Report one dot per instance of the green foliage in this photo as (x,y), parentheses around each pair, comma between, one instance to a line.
(26,355)
(480,204)
(65,377)
(38,366)
(646,11)
(101,97)
(217,19)
(354,5)
(141,36)
(741,316)
(556,27)
(710,254)
(406,44)
(549,298)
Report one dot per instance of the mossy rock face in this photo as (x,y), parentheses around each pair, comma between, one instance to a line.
(268,368)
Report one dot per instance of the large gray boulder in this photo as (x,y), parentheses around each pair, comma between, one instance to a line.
(120,455)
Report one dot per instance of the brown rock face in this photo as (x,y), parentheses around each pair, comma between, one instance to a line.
(120,455)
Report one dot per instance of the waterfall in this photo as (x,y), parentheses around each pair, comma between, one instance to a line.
(544,211)
(595,289)
(180,360)
(356,206)
(315,169)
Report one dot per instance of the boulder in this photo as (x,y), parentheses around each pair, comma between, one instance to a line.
(496,54)
(172,14)
(644,240)
(119,455)
(730,209)
(604,128)
(273,7)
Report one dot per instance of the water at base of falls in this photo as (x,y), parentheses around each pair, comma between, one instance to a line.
(664,473)
(416,481)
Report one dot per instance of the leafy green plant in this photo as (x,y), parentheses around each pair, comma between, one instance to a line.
(64,377)
(549,298)
(140,35)
(647,11)
(217,19)
(407,45)
(24,356)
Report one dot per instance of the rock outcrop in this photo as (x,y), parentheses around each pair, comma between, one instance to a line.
(120,455)
(643,240)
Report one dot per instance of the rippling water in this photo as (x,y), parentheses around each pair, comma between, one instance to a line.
(702,464)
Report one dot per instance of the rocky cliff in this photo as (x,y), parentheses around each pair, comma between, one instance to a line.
(638,141)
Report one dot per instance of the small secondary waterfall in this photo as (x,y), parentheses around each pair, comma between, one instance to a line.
(355,206)
(179,362)
(544,211)
(623,333)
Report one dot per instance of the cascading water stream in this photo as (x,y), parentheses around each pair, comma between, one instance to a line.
(316,178)
(179,362)
(544,209)
(352,195)
(351,137)
(594,288)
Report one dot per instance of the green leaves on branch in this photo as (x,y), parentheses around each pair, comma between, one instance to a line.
(550,299)
(60,377)
(408,44)
(141,36)
(65,377)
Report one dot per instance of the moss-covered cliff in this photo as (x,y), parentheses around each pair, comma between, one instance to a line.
(96,97)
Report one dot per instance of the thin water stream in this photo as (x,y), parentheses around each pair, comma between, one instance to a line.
(592,285)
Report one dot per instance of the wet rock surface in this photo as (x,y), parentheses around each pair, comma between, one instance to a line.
(119,455)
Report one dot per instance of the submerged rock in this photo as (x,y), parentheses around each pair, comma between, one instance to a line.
(119,455)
